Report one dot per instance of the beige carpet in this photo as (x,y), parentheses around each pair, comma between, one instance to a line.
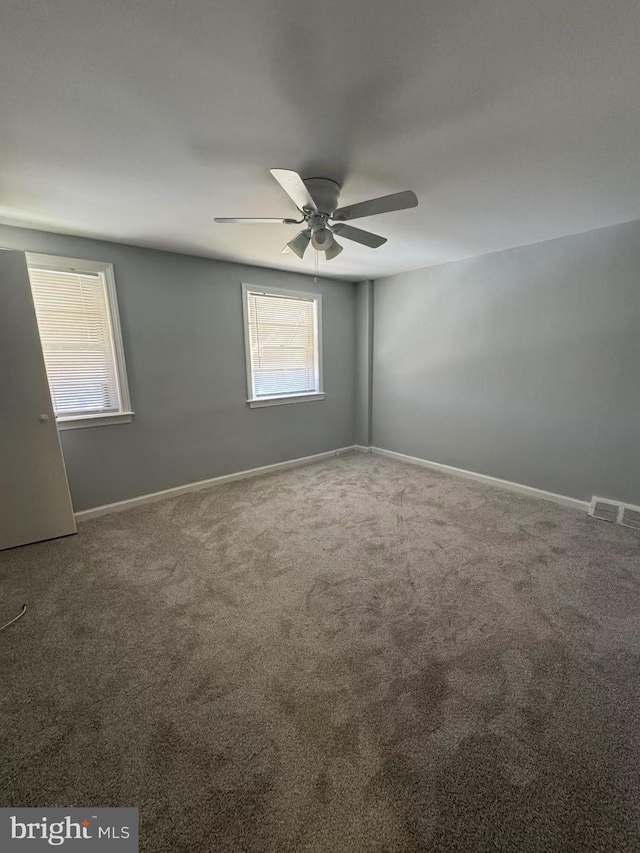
(358,655)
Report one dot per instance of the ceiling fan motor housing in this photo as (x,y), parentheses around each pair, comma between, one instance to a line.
(324,192)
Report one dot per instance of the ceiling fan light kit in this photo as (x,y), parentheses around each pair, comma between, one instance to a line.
(321,238)
(299,243)
(333,251)
(317,201)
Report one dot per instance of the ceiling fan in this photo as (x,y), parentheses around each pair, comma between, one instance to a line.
(317,201)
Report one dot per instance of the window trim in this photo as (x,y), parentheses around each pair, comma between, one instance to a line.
(79,265)
(280,399)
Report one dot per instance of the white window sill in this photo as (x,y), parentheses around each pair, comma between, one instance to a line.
(82,421)
(279,401)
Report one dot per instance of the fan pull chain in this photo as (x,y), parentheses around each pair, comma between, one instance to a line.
(315,278)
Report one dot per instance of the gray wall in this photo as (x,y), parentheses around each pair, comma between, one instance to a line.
(183,336)
(364,355)
(523,364)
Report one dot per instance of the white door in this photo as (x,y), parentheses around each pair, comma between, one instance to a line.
(35,502)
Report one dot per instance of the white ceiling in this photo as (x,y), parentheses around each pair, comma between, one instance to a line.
(140,120)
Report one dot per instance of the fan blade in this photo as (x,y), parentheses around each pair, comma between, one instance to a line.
(366,238)
(333,251)
(293,185)
(385,204)
(299,243)
(247,220)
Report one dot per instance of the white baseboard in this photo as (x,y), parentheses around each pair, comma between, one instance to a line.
(119,506)
(530,491)
(521,489)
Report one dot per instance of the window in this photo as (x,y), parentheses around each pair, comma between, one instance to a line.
(77,314)
(283,338)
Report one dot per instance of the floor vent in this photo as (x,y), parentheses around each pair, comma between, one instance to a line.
(631,517)
(606,510)
(618,513)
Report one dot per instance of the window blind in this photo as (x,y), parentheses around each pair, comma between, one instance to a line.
(283,345)
(75,330)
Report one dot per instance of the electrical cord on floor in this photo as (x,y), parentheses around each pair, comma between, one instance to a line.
(15,618)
